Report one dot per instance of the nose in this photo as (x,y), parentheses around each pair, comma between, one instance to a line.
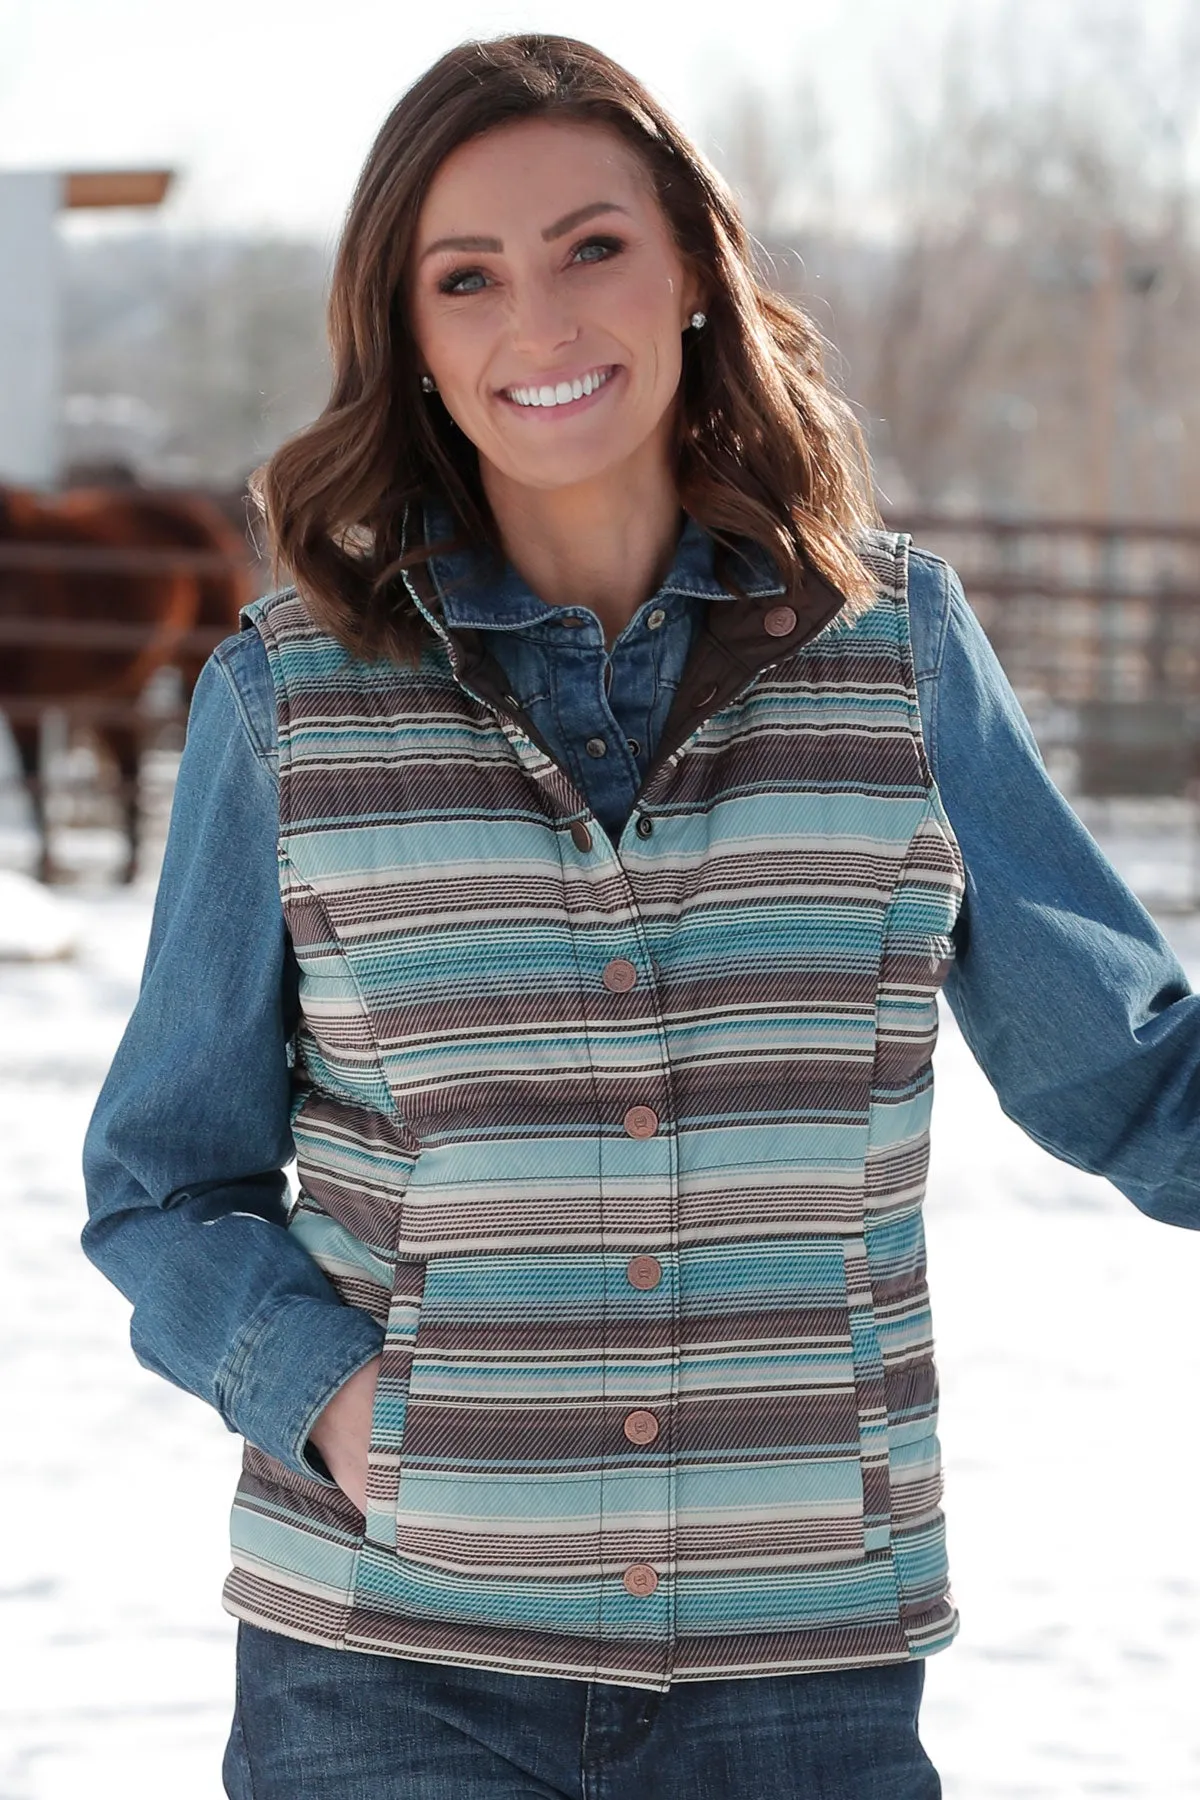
(542,321)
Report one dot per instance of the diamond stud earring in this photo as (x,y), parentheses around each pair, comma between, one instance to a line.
(428,384)
(698,321)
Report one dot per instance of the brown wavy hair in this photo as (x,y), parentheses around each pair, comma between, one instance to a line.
(764,448)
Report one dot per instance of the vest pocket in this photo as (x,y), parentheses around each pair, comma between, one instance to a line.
(775,1381)
(391,1401)
(871,1397)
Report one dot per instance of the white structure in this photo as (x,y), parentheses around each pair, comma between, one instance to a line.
(29,326)
(30,389)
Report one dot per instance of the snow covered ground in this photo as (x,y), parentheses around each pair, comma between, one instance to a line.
(1072,1456)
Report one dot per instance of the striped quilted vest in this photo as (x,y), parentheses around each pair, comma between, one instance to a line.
(624,1147)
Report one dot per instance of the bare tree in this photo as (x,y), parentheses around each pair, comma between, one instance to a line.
(1019,324)
(1013,305)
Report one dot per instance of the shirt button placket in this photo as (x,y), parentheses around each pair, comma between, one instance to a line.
(640,1426)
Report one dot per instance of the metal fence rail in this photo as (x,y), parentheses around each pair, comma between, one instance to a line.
(26,631)
(122,559)
(1098,629)
(104,634)
(1096,625)
(1079,612)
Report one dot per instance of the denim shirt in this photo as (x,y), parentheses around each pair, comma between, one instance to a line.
(601,710)
(1071,1000)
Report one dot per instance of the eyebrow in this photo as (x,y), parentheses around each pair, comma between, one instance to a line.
(560,227)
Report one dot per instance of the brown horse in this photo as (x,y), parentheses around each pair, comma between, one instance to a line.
(99,590)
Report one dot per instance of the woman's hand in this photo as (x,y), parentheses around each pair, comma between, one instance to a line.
(343,1431)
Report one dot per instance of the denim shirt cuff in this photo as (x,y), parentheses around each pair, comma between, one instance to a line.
(287,1368)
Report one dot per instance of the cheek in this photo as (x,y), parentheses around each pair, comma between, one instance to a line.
(665,356)
(453,345)
(652,321)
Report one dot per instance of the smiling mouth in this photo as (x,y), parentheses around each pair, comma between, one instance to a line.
(562,393)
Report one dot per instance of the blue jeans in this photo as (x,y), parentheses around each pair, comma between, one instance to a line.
(318,1724)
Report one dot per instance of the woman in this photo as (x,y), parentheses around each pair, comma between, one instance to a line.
(567,865)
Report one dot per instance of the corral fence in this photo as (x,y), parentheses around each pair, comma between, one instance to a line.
(77,788)
(29,632)
(1096,625)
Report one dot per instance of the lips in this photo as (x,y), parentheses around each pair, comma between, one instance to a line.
(561,393)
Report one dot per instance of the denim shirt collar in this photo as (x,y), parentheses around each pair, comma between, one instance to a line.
(474,594)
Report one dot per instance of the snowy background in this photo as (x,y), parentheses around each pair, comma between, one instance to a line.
(1072,1461)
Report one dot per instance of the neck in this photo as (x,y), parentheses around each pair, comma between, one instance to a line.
(607,544)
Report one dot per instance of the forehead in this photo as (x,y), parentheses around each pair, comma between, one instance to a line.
(531,172)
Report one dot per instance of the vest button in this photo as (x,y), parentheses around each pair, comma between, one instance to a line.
(619,976)
(581,837)
(596,747)
(655,619)
(641,1427)
(641,1121)
(644,826)
(643,1271)
(639,1578)
(779,621)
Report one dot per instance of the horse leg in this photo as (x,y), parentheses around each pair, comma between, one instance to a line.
(125,743)
(28,739)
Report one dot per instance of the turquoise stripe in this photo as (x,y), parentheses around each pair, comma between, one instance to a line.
(336,1249)
(806,1271)
(287,1546)
(759,1601)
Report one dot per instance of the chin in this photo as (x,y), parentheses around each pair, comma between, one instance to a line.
(561,470)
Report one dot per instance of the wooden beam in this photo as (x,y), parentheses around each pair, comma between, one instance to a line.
(116,187)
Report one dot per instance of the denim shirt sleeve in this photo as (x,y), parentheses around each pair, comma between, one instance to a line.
(1070,998)
(184,1156)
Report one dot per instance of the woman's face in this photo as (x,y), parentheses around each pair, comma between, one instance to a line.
(549,301)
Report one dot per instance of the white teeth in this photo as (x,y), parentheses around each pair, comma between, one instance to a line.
(562,394)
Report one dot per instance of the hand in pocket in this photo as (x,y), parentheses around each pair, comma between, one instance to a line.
(342,1432)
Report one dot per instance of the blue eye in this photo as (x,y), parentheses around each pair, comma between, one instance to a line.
(454,282)
(607,246)
(474,281)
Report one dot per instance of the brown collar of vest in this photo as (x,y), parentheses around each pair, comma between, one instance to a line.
(734,644)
